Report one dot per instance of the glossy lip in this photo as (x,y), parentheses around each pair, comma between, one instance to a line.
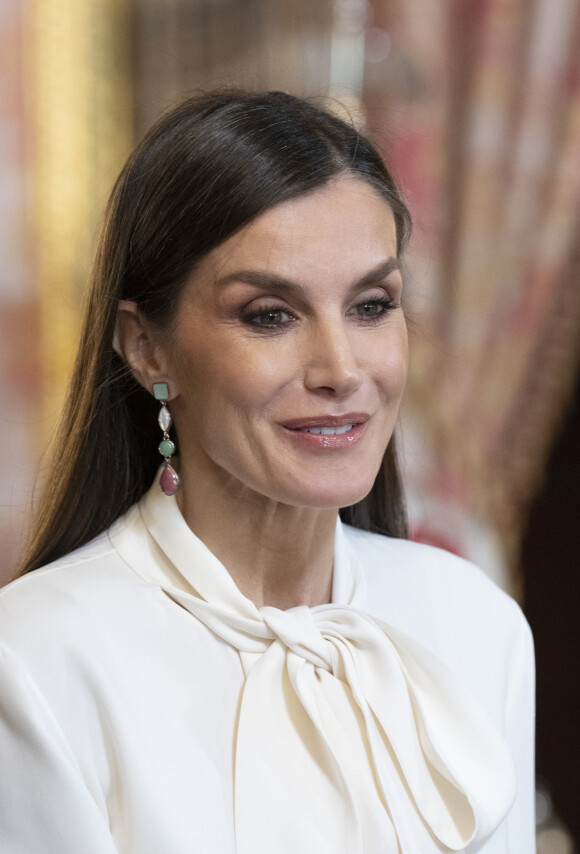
(355,418)
(294,429)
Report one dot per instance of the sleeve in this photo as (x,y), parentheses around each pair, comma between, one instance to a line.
(520,732)
(45,806)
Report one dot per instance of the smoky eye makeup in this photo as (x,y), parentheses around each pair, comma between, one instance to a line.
(267,317)
(367,303)
(375,308)
(376,302)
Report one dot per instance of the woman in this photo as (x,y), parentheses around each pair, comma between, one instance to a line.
(209,660)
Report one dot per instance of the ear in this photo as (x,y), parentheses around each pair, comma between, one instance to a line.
(136,342)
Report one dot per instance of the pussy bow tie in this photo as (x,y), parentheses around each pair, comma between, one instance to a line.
(351,736)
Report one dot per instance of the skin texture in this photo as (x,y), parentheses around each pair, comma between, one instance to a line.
(296,317)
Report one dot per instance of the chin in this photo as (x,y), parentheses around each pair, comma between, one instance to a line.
(331,496)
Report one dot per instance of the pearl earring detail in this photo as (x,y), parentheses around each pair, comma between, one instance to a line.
(169,480)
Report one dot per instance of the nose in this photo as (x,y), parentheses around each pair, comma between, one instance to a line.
(331,363)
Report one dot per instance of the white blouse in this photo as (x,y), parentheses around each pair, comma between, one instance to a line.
(148,707)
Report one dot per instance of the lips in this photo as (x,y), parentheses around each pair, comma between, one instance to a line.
(326,432)
(323,423)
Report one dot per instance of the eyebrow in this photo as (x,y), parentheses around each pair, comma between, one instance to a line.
(279,284)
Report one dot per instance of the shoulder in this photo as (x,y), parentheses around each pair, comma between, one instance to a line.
(443,601)
(66,600)
(390,564)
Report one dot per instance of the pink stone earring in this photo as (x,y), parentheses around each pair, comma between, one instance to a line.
(169,480)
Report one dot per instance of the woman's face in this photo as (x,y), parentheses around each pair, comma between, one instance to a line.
(289,353)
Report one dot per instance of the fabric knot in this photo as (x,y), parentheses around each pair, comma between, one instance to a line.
(297,630)
(351,736)
(417,725)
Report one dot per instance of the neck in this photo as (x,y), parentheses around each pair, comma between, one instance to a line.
(278,555)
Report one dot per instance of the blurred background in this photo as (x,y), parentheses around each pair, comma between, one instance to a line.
(475,104)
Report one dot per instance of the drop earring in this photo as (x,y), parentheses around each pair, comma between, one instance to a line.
(169,480)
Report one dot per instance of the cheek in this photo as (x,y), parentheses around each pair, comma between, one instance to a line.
(221,377)
(391,370)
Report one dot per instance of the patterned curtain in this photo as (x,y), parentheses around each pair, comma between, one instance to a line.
(477,102)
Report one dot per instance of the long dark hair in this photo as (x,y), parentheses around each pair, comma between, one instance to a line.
(206,169)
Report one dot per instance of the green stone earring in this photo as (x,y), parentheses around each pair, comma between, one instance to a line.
(169,480)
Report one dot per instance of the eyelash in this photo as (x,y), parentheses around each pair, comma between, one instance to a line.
(385,304)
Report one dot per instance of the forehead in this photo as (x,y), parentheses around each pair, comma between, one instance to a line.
(343,225)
